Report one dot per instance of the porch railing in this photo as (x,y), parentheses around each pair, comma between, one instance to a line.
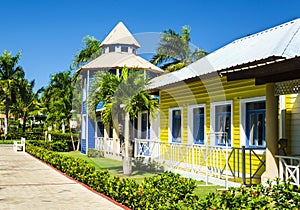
(246,163)
(289,168)
(241,164)
(108,145)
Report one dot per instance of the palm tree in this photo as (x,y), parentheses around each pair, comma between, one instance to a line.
(175,52)
(57,99)
(9,74)
(124,95)
(90,51)
(26,101)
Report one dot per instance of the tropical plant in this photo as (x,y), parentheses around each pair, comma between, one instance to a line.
(9,74)
(175,51)
(57,100)
(122,96)
(126,92)
(90,51)
(27,102)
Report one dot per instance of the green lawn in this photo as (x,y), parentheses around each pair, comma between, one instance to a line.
(115,168)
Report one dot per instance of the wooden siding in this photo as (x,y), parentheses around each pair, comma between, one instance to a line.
(293,108)
(205,92)
(197,93)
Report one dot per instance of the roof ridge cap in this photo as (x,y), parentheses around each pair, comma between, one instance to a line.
(266,30)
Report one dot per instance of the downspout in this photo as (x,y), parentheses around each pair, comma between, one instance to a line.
(87,112)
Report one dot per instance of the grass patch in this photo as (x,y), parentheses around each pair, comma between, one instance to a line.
(115,167)
(202,190)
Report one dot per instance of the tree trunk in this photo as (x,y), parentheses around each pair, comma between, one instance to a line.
(127,159)
(24,123)
(72,139)
(63,126)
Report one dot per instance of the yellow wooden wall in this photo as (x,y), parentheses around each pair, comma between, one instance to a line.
(293,122)
(204,92)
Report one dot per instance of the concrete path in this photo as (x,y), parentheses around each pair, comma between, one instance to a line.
(27,183)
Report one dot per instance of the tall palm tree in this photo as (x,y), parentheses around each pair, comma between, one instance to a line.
(26,101)
(175,52)
(124,95)
(57,99)
(90,51)
(9,74)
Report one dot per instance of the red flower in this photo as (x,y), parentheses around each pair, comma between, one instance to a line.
(140,192)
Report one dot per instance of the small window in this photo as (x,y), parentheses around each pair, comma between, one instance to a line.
(144,125)
(111,131)
(113,71)
(124,49)
(255,124)
(223,123)
(112,49)
(133,51)
(196,124)
(175,125)
(100,130)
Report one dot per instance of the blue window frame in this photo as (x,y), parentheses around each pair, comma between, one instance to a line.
(198,125)
(223,124)
(176,125)
(255,124)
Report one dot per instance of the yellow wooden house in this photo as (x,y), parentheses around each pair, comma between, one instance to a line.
(223,116)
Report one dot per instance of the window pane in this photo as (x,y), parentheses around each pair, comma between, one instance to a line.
(198,125)
(144,126)
(252,130)
(111,48)
(260,129)
(176,125)
(124,49)
(223,123)
(100,129)
(255,123)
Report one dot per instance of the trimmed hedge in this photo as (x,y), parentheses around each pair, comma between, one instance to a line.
(27,135)
(38,136)
(168,190)
(56,146)
(63,136)
(161,191)
(277,195)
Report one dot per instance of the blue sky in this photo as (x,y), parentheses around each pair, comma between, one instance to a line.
(50,32)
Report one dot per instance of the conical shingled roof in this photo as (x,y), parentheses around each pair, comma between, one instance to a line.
(120,35)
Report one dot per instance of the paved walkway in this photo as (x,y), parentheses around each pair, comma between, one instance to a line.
(27,183)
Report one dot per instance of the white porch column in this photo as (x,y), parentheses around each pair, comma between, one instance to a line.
(271,134)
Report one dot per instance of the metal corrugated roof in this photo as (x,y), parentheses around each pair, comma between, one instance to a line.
(280,41)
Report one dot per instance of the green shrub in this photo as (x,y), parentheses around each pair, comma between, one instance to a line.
(281,195)
(27,135)
(147,165)
(93,153)
(162,191)
(58,146)
(63,136)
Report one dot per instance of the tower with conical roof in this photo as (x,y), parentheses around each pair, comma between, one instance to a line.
(120,40)
(119,49)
